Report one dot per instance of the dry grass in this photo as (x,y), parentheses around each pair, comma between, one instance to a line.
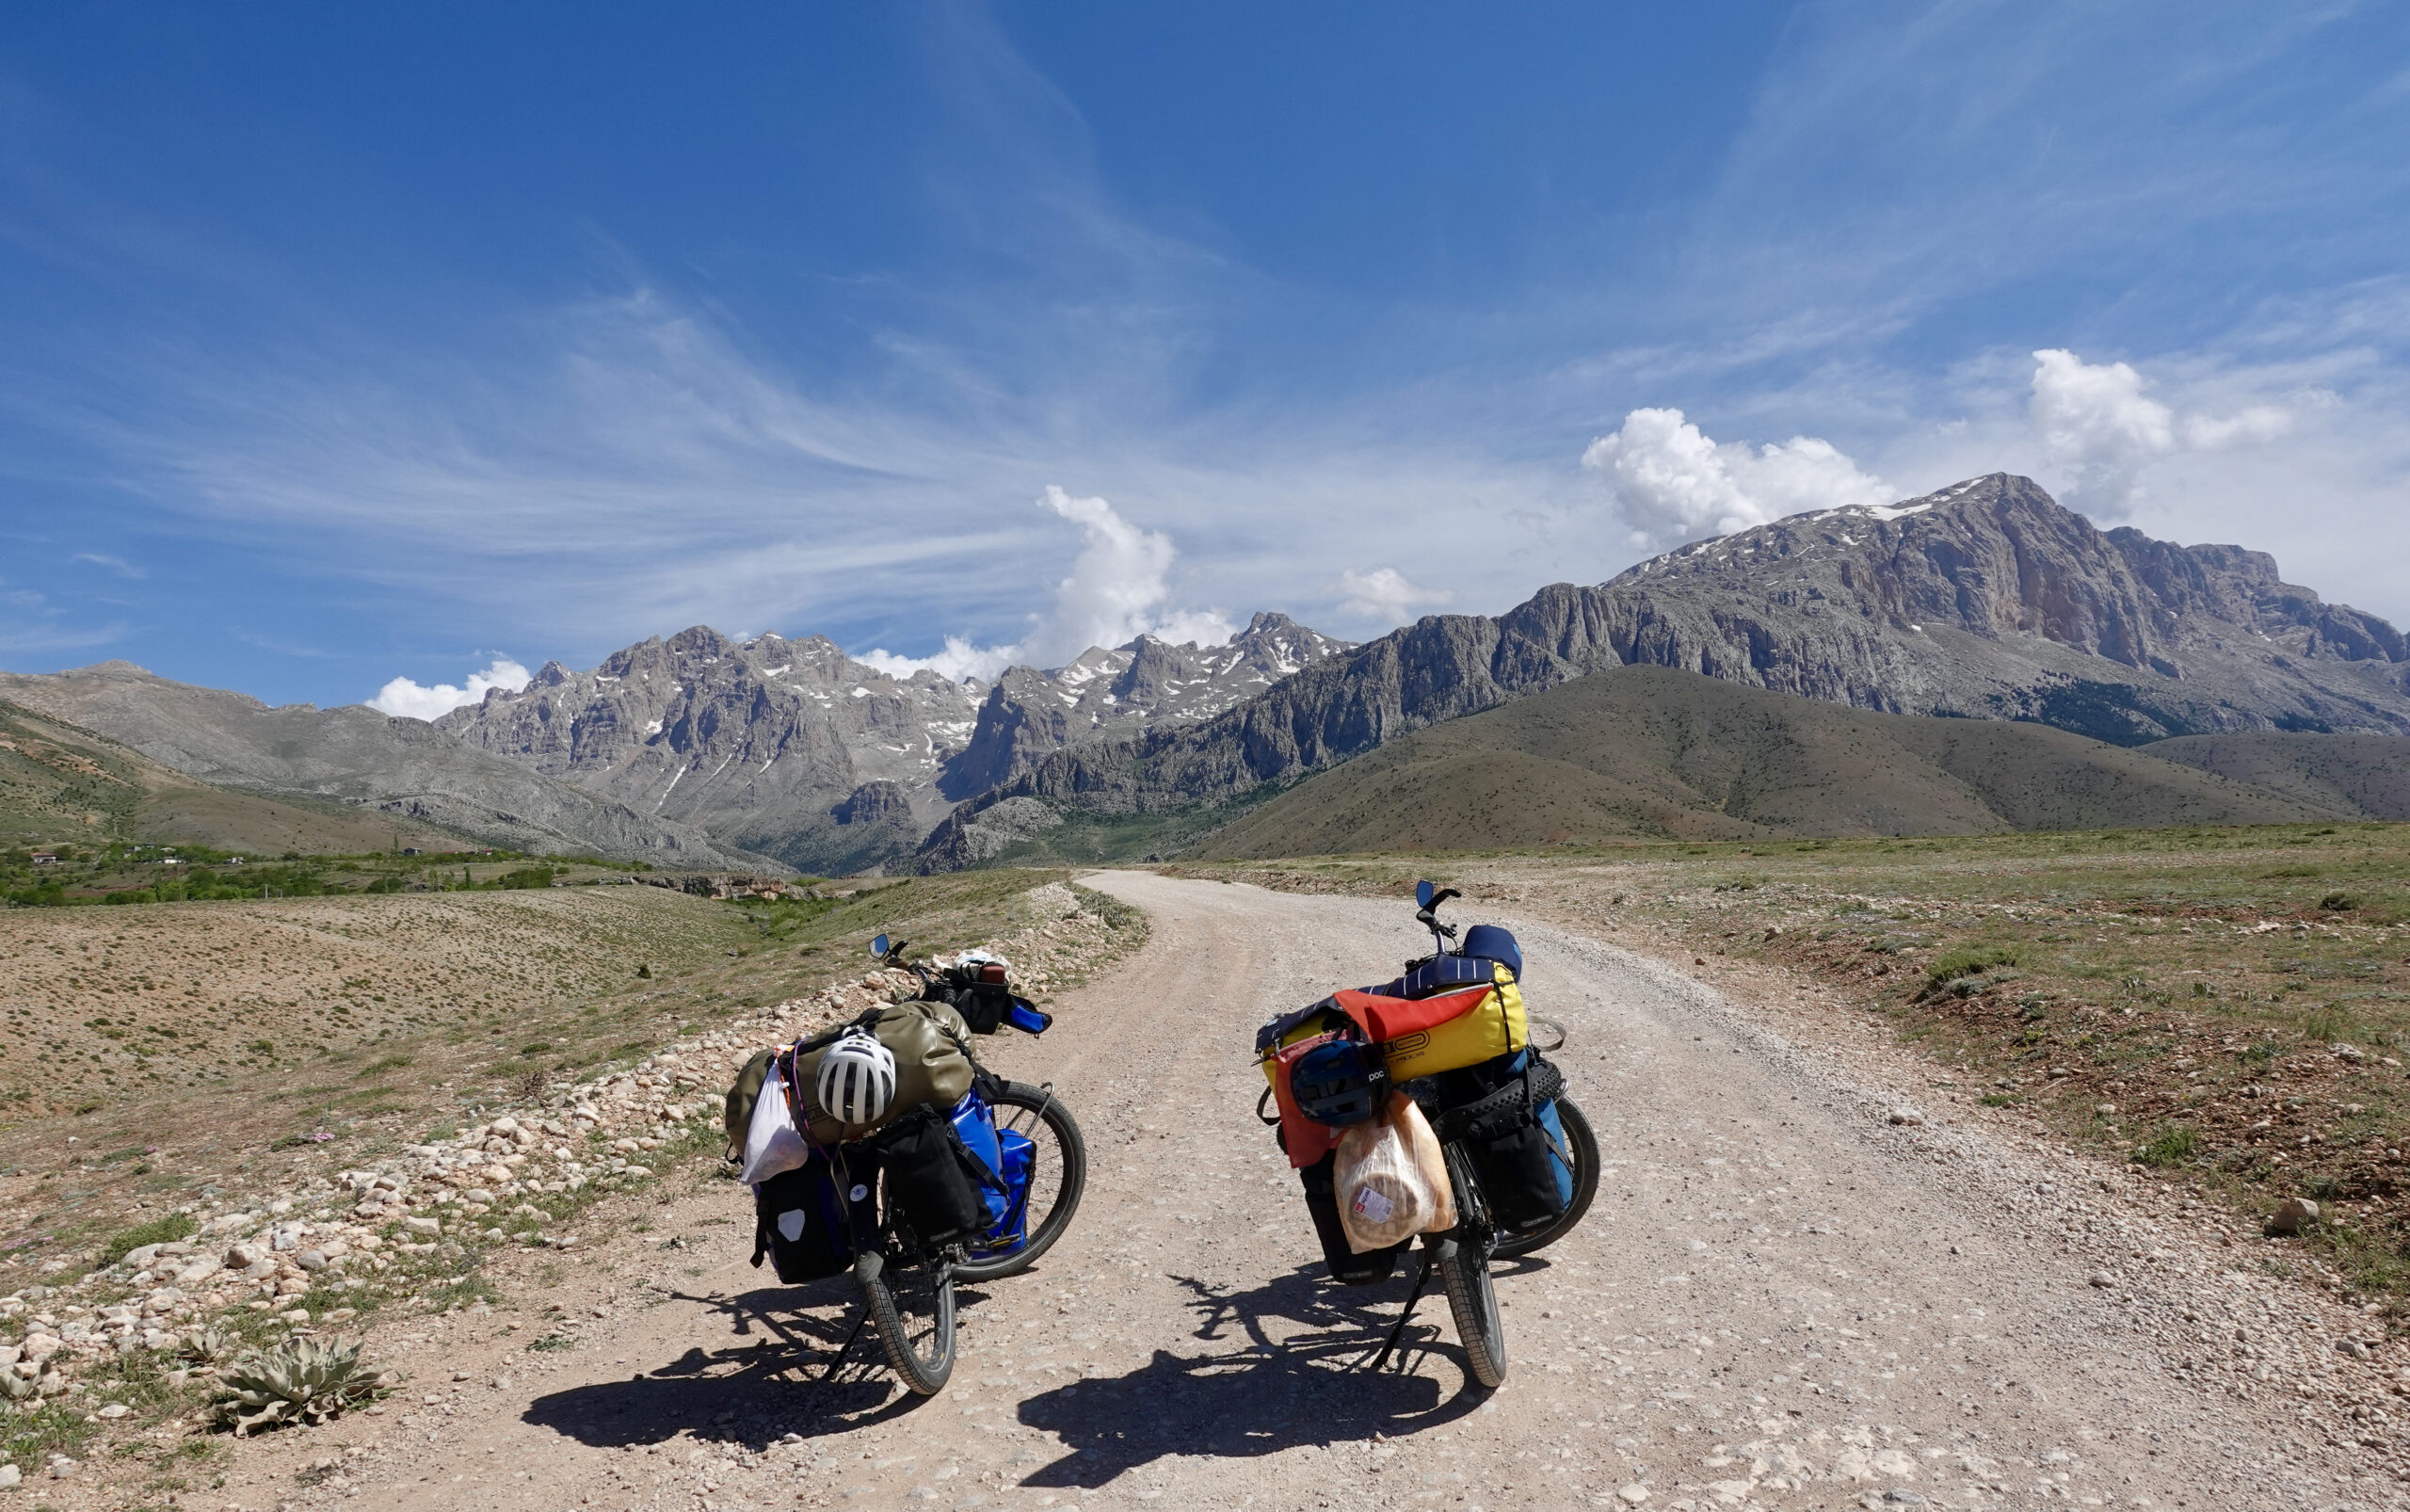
(2176,997)
(168,1053)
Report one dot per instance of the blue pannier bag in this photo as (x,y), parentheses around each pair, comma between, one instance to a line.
(1020,1160)
(1503,1112)
(1559,1152)
(1008,1158)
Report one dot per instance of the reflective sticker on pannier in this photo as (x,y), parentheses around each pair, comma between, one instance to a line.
(791,1224)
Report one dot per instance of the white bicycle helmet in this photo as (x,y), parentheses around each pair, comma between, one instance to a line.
(857,1078)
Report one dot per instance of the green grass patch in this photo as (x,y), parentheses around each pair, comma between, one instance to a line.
(165,1230)
(2173,1147)
(54,1427)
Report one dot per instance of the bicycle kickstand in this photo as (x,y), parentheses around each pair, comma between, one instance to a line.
(1406,1314)
(847,1347)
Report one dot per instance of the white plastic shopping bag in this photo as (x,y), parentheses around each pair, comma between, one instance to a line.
(1383,1194)
(772,1143)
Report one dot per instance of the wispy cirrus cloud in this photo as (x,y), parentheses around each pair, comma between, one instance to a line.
(114,563)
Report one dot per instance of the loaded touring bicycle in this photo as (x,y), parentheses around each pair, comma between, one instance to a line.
(883,1149)
(1421,1107)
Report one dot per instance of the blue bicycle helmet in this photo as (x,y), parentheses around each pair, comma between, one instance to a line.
(1341,1083)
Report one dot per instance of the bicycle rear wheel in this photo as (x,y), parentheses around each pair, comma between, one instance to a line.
(1058,1177)
(1472,1302)
(1582,1145)
(911,1305)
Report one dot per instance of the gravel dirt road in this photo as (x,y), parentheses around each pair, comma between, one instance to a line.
(1782,1298)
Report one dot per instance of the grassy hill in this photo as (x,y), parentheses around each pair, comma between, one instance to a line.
(61,784)
(2367,774)
(1651,752)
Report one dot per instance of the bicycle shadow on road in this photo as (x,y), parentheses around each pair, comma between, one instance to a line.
(1252,1393)
(773,1380)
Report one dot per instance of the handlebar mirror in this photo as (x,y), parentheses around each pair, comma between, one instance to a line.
(878,948)
(1423,891)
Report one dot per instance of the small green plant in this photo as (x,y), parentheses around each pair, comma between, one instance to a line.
(2172,1148)
(211,1346)
(165,1230)
(301,1380)
(2338,903)
(1997,1100)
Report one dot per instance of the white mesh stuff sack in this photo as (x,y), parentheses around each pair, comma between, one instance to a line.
(1384,1196)
(772,1143)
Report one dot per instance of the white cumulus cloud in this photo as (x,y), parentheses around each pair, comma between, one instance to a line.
(2100,429)
(959,662)
(1385,594)
(1118,591)
(406,699)
(1673,483)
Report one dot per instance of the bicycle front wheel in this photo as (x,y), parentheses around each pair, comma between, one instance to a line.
(911,1305)
(1464,1273)
(1583,1146)
(1058,1175)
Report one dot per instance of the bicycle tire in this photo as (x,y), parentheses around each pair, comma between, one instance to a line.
(1055,1190)
(911,1305)
(1582,1145)
(1472,1302)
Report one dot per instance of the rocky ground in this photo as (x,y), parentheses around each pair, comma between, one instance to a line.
(1819,1274)
(113,1394)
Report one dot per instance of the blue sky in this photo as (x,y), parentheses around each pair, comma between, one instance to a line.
(343,343)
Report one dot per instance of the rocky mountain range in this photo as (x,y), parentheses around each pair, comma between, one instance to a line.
(352,760)
(1985,600)
(693,751)
(793,749)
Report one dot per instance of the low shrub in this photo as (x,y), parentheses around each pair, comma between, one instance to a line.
(1969,961)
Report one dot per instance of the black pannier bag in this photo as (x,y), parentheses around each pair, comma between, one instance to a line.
(801,1220)
(932,1176)
(1348,1267)
(1495,1110)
